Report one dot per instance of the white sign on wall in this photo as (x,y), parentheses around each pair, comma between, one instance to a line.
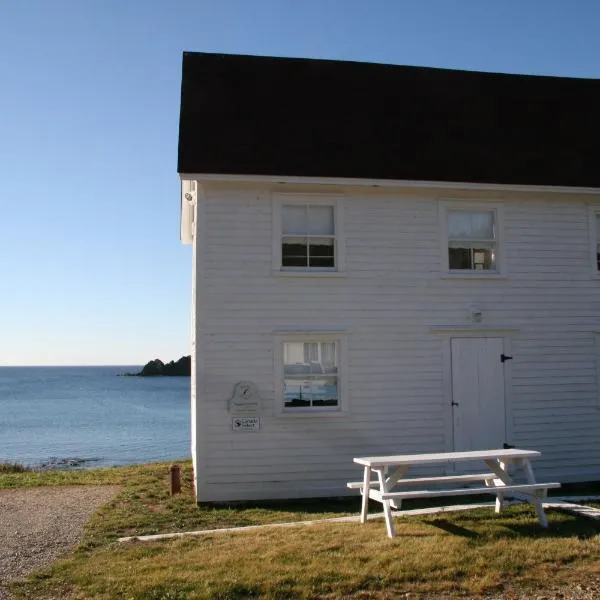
(245,423)
(245,399)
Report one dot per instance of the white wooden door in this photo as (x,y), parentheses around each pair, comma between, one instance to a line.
(478,393)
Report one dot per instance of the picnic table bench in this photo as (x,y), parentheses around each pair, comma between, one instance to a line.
(390,473)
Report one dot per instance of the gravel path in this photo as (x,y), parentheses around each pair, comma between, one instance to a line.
(37,525)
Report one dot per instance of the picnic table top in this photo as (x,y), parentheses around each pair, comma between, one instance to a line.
(444,457)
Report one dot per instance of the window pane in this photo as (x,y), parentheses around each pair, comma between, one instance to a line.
(320,220)
(322,253)
(482,225)
(293,355)
(471,225)
(459,224)
(459,258)
(481,257)
(294,219)
(328,357)
(294,252)
(320,391)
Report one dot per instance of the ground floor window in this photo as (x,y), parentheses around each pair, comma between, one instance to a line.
(311,374)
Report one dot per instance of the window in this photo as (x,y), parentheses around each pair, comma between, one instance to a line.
(597,248)
(307,234)
(597,349)
(310,374)
(471,240)
(594,239)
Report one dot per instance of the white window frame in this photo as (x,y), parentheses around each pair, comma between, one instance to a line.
(597,354)
(593,214)
(311,411)
(280,199)
(447,205)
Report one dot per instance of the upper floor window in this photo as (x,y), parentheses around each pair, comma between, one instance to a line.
(597,223)
(597,241)
(594,223)
(472,240)
(307,233)
(308,236)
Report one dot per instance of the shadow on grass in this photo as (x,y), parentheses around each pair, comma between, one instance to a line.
(445,525)
(569,526)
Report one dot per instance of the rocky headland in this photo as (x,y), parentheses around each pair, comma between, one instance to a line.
(156,367)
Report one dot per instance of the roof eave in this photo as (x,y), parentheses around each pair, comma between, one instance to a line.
(387,183)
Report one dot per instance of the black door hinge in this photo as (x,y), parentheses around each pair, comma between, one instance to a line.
(504,358)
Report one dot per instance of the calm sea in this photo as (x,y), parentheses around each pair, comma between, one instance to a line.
(57,414)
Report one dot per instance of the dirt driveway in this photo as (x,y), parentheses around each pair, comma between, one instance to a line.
(37,525)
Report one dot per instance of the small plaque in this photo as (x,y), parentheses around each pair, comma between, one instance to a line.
(245,423)
(245,399)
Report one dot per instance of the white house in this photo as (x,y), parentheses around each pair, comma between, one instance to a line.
(387,260)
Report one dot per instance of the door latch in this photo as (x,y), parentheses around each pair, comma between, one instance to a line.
(504,358)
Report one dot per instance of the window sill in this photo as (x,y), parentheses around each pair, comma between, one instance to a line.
(308,273)
(477,276)
(312,415)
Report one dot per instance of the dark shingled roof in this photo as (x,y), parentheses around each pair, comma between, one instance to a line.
(321,118)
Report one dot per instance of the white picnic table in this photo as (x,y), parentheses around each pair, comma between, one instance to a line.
(384,473)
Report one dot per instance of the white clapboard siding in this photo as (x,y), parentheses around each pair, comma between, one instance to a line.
(391,304)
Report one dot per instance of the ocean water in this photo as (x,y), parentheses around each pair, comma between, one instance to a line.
(53,415)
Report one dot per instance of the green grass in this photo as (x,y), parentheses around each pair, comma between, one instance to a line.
(467,553)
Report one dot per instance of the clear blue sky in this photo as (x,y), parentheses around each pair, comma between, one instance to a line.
(91,267)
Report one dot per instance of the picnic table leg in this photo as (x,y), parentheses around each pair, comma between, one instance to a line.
(502,478)
(500,495)
(387,511)
(365,495)
(392,480)
(536,497)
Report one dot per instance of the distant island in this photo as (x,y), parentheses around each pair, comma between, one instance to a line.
(156,367)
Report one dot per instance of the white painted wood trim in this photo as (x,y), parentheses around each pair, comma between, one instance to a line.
(391,183)
(447,399)
(279,337)
(200,454)
(473,329)
(597,348)
(324,274)
(187,211)
(446,204)
(593,212)
(276,234)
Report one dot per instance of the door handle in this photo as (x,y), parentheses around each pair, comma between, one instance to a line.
(504,358)
(453,403)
